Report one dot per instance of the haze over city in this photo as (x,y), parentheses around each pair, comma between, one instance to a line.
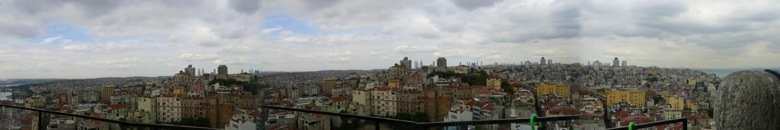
(87,39)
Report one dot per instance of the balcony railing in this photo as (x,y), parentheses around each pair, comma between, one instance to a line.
(42,126)
(657,123)
(425,125)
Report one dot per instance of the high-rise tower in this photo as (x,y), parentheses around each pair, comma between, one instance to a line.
(222,70)
(406,63)
(441,62)
(616,62)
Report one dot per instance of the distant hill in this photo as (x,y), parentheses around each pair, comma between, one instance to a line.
(17,82)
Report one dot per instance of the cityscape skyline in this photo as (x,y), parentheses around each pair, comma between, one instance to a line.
(78,39)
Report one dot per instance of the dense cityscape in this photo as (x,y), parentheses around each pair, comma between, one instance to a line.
(604,95)
(389,65)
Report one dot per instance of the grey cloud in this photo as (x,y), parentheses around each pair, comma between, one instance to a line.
(90,7)
(35,6)
(566,20)
(319,4)
(765,16)
(98,7)
(19,31)
(474,4)
(690,28)
(245,6)
(659,9)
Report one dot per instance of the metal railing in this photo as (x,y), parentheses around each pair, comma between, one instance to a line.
(152,126)
(657,123)
(424,125)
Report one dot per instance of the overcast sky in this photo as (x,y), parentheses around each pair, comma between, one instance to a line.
(102,38)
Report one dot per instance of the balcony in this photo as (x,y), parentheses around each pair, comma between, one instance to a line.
(66,121)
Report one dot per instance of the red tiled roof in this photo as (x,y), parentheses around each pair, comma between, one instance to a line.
(488,106)
(566,110)
(117,106)
(522,103)
(639,119)
(621,114)
(483,91)
(338,99)
(549,104)
(97,122)
(27,118)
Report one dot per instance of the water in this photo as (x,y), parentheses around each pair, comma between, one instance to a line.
(722,73)
(5,95)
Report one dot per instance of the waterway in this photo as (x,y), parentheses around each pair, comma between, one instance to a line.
(5,95)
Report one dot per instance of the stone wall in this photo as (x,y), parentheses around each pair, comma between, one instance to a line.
(748,100)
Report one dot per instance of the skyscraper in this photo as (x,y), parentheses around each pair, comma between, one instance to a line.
(542,61)
(189,70)
(222,70)
(549,61)
(406,63)
(625,63)
(616,62)
(441,62)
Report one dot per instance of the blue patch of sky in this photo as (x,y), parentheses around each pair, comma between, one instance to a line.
(287,23)
(142,37)
(64,31)
(298,26)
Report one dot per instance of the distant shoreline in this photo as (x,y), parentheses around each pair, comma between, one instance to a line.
(722,73)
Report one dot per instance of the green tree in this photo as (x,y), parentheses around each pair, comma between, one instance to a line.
(197,122)
(420,117)
(507,87)
(658,98)
(348,124)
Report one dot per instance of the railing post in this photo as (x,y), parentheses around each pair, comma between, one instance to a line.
(376,124)
(685,124)
(40,121)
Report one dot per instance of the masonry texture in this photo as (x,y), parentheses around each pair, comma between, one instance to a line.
(748,100)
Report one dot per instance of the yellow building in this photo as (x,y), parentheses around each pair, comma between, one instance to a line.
(494,82)
(178,90)
(677,103)
(692,106)
(393,83)
(691,82)
(562,90)
(667,93)
(634,96)
(36,101)
(106,92)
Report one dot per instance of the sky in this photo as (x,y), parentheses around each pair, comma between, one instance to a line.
(118,38)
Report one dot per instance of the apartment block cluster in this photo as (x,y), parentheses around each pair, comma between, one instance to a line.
(190,97)
(624,93)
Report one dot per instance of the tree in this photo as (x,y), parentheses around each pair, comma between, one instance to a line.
(507,87)
(197,122)
(349,124)
(658,98)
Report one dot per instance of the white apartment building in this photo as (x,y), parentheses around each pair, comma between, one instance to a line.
(169,108)
(384,101)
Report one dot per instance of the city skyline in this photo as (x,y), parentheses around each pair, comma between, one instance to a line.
(78,39)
